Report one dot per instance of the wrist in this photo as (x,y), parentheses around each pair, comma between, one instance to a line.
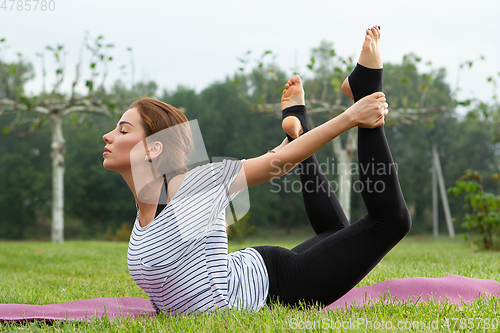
(349,118)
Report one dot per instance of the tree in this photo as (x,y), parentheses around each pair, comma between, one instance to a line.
(487,114)
(54,106)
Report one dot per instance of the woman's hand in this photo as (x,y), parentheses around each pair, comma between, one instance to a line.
(369,112)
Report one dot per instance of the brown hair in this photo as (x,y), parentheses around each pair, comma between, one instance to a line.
(178,145)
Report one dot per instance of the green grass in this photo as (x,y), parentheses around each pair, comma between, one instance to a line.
(43,273)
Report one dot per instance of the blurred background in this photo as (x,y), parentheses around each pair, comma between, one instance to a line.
(68,70)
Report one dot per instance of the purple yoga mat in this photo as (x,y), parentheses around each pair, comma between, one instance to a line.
(85,309)
(455,288)
(452,288)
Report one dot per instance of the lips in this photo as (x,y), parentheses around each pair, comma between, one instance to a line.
(107,150)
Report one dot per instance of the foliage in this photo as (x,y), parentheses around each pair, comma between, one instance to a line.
(329,71)
(484,221)
(240,229)
(405,87)
(24,183)
(487,114)
(121,234)
(14,76)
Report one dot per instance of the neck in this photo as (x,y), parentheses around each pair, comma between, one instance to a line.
(153,192)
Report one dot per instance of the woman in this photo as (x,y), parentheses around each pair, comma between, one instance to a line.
(178,250)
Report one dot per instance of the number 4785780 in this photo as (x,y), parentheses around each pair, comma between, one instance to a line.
(28,5)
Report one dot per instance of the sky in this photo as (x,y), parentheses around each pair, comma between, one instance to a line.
(195,43)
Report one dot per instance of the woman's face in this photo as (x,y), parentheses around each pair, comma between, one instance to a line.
(121,140)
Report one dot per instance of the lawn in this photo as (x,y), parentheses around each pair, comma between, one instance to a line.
(43,273)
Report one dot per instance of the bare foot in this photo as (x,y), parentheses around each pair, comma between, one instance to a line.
(292,95)
(370,56)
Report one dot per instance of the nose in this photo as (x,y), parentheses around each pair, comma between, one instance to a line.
(106,137)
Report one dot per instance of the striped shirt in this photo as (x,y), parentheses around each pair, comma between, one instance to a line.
(181,260)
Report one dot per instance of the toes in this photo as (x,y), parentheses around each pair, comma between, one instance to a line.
(296,79)
(369,32)
(375,31)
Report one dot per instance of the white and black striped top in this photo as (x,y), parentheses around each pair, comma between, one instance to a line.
(180,259)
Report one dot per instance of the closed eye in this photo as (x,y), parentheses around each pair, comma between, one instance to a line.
(123,132)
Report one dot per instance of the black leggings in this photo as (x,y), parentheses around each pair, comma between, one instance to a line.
(324,268)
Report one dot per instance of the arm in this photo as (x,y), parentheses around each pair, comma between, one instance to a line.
(368,112)
(261,169)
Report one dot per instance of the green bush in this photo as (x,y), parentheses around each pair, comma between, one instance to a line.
(484,221)
(121,234)
(240,229)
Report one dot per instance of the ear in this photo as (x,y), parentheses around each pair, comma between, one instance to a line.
(156,149)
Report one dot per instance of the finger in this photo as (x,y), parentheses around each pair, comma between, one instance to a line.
(380,122)
(383,104)
(381,99)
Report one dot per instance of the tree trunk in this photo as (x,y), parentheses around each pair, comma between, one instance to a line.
(344,159)
(57,155)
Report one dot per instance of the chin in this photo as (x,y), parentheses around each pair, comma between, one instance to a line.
(107,166)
